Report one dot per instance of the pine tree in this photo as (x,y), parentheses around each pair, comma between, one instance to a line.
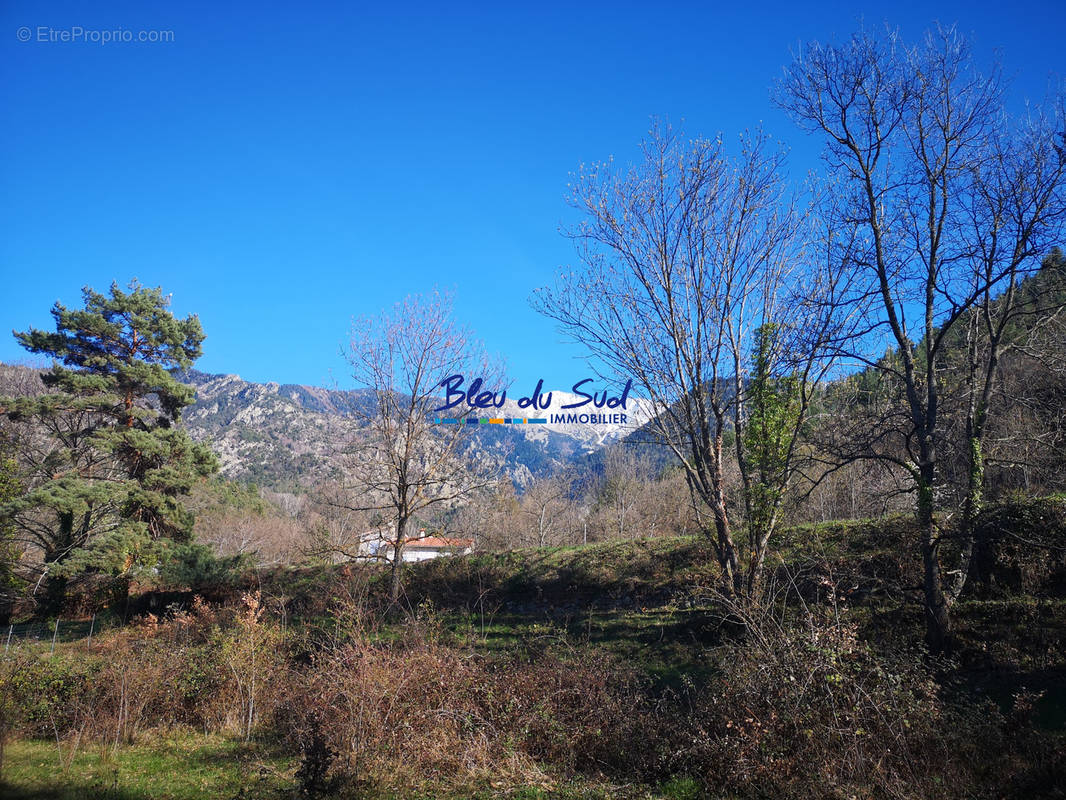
(10,488)
(111,484)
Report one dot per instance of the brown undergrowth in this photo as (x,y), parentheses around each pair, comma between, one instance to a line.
(797,706)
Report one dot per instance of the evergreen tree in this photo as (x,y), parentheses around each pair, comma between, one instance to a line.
(10,488)
(768,444)
(107,496)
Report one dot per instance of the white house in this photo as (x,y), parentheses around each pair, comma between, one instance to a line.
(424,548)
(416,548)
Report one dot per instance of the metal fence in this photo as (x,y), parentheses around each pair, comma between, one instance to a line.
(56,631)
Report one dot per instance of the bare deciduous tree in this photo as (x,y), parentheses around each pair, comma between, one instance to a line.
(543,507)
(623,494)
(685,255)
(943,203)
(402,463)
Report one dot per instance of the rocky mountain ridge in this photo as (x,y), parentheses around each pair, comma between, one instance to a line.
(288,435)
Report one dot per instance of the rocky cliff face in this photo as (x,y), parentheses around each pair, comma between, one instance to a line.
(263,434)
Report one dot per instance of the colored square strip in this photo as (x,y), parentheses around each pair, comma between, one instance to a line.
(493,421)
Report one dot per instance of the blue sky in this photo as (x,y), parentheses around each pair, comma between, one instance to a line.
(283,170)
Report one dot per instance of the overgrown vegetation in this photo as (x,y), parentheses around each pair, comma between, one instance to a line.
(602,666)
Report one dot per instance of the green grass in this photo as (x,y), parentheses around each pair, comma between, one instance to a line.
(185,767)
(666,643)
(197,767)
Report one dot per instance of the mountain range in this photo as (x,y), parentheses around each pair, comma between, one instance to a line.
(285,436)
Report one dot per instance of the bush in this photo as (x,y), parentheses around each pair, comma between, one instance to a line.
(801,707)
(798,706)
(425,710)
(198,567)
(1020,548)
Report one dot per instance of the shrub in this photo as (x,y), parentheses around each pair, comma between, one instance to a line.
(425,710)
(798,706)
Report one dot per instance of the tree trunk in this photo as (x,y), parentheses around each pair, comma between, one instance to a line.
(971,508)
(976,417)
(937,608)
(397,565)
(55,597)
(55,587)
(726,548)
(760,542)
(937,612)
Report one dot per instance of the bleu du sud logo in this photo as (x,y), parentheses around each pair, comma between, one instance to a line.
(473,404)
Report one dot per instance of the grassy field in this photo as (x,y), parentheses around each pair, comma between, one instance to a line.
(202,767)
(177,767)
(645,606)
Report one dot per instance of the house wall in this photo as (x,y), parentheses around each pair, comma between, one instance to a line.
(420,555)
(411,554)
